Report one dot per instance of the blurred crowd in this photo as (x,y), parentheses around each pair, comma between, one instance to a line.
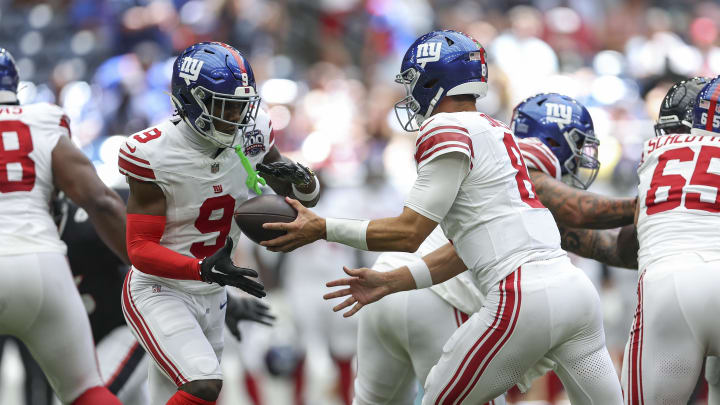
(325,71)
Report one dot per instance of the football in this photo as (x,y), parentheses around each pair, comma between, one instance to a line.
(253,213)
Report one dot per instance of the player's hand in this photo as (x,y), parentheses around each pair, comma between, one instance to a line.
(220,269)
(306,228)
(246,309)
(290,172)
(365,286)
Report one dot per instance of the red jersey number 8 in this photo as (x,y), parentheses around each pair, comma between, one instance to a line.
(15,147)
(524,185)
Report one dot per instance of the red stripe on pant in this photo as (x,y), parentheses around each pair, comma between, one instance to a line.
(467,356)
(141,328)
(486,357)
(485,348)
(635,388)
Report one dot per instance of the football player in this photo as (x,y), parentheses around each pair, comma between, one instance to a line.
(40,304)
(187,175)
(473,181)
(558,144)
(677,223)
(122,361)
(406,331)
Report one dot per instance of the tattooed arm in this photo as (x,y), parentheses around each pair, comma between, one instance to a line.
(581,209)
(613,247)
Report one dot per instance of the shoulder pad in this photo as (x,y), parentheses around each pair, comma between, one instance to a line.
(134,157)
(442,134)
(49,116)
(539,157)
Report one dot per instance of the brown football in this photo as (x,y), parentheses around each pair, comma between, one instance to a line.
(253,213)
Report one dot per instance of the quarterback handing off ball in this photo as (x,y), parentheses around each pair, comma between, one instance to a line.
(253,213)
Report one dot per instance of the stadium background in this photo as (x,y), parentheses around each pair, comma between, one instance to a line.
(325,71)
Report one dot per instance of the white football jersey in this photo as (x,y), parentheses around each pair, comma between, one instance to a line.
(28,135)
(496,222)
(678,197)
(539,157)
(201,193)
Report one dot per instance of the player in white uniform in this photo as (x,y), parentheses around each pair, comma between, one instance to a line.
(407,330)
(679,256)
(558,145)
(185,183)
(39,303)
(473,181)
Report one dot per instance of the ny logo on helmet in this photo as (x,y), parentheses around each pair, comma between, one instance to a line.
(190,69)
(428,52)
(561,114)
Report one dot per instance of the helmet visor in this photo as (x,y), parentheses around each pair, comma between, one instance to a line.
(584,165)
(406,110)
(224,115)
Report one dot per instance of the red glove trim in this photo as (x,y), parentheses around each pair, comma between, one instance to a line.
(147,255)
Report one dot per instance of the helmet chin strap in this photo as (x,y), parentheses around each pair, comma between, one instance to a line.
(431,106)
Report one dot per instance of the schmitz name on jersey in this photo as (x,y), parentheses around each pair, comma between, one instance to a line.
(656,143)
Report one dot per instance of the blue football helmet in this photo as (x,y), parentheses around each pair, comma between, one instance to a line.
(9,78)
(706,112)
(439,64)
(213,89)
(565,126)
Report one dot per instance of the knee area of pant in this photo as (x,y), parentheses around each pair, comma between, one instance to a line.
(207,390)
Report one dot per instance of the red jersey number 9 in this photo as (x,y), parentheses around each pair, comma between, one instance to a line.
(15,147)
(205,224)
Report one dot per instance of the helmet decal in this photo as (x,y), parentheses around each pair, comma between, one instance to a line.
(428,52)
(190,69)
(561,114)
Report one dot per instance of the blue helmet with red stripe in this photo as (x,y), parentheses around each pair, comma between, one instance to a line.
(439,64)
(706,112)
(213,89)
(9,78)
(565,126)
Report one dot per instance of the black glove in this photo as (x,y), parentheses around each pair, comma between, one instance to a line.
(246,309)
(218,268)
(294,173)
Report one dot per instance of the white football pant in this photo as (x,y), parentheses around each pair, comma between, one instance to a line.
(182,332)
(544,309)
(40,305)
(674,328)
(400,338)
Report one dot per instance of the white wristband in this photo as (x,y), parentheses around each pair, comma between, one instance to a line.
(421,273)
(349,232)
(307,196)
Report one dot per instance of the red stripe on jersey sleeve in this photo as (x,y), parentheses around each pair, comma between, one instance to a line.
(422,128)
(461,148)
(443,128)
(135,158)
(65,123)
(135,170)
(458,140)
(539,155)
